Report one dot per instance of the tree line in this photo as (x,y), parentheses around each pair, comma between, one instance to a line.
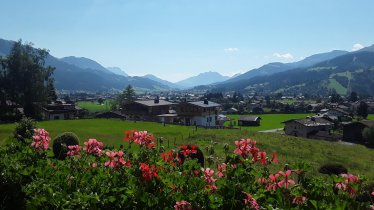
(26,84)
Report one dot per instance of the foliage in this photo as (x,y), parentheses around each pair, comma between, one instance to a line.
(368,135)
(362,110)
(24,129)
(93,178)
(62,142)
(128,95)
(25,81)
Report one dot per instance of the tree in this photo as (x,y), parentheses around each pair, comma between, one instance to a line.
(368,134)
(353,97)
(128,95)
(335,98)
(362,110)
(25,80)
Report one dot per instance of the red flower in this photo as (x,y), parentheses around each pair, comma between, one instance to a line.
(167,156)
(182,205)
(249,200)
(286,181)
(349,179)
(148,172)
(273,182)
(140,137)
(261,157)
(274,159)
(116,160)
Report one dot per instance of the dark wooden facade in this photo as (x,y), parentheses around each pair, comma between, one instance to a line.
(352,132)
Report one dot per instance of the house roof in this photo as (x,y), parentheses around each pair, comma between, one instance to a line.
(152,103)
(313,121)
(202,104)
(368,123)
(249,118)
(340,110)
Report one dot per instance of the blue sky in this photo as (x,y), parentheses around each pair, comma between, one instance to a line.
(175,39)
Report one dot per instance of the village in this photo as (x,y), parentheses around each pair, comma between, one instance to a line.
(331,121)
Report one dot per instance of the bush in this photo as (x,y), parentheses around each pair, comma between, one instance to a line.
(368,134)
(61,143)
(24,129)
(332,169)
(198,156)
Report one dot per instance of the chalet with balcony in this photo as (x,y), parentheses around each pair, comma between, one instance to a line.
(147,110)
(199,113)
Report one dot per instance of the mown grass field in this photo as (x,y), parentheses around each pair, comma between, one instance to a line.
(94,106)
(269,121)
(358,159)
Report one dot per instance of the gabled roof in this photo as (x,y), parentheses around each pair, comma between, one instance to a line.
(249,118)
(313,121)
(202,104)
(152,103)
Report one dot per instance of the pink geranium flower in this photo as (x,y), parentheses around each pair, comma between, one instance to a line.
(73,150)
(208,175)
(249,200)
(116,160)
(298,200)
(92,146)
(221,169)
(41,139)
(273,182)
(182,205)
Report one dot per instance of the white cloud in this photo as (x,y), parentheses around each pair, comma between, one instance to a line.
(357,46)
(231,49)
(287,56)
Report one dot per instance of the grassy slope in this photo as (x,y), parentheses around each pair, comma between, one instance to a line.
(358,159)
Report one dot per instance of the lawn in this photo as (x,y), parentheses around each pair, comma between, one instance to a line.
(269,121)
(358,159)
(94,106)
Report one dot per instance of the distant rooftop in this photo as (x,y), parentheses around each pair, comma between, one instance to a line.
(313,121)
(202,104)
(153,102)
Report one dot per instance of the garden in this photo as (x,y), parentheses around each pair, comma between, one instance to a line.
(143,172)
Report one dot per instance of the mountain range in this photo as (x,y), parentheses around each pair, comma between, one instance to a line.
(337,70)
(341,72)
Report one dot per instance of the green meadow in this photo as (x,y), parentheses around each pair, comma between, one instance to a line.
(94,106)
(358,159)
(269,121)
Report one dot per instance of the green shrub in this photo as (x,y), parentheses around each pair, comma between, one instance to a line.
(24,129)
(332,169)
(61,143)
(368,134)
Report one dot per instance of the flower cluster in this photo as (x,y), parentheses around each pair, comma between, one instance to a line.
(245,146)
(249,200)
(221,169)
(148,172)
(116,160)
(142,138)
(41,139)
(298,200)
(208,176)
(273,183)
(92,146)
(73,150)
(167,156)
(182,205)
(346,185)
(187,150)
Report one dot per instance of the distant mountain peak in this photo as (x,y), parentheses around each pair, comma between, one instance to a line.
(204,78)
(118,71)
